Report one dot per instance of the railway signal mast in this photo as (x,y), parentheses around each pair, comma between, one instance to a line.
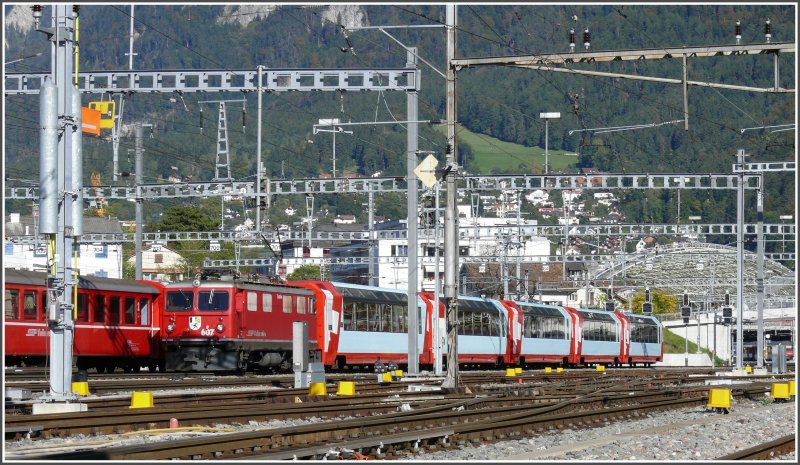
(60,198)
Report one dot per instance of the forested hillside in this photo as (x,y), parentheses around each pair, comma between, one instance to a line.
(500,102)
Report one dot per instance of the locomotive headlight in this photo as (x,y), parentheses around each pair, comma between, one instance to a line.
(171,327)
(220,328)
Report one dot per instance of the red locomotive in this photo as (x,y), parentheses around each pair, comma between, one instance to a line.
(232,324)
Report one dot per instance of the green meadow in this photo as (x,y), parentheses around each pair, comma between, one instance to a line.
(491,154)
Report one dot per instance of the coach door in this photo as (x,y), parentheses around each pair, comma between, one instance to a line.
(332,322)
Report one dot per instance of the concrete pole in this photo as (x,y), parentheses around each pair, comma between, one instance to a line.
(130,43)
(739,257)
(546,137)
(760,273)
(258,154)
(412,109)
(685,94)
(438,331)
(451,379)
(505,265)
(139,167)
(373,265)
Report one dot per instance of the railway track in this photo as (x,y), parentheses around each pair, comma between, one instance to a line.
(447,421)
(388,435)
(765,451)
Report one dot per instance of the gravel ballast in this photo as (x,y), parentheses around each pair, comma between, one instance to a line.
(693,433)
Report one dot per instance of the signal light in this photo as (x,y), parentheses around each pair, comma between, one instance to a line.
(686,312)
(727,314)
(685,299)
(609,306)
(647,308)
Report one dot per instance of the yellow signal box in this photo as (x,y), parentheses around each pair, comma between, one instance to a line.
(107,111)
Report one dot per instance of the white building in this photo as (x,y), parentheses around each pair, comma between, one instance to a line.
(101,260)
(493,238)
(162,264)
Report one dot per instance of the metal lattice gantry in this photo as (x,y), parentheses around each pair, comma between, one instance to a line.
(553,230)
(224,80)
(698,268)
(706,181)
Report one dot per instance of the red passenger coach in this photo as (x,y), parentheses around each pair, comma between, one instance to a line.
(232,324)
(116,322)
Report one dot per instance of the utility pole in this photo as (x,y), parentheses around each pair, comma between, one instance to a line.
(412,142)
(739,256)
(373,265)
(437,323)
(451,379)
(139,167)
(258,156)
(223,156)
(117,121)
(60,186)
(760,272)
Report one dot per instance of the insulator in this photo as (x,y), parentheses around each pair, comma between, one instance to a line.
(201,120)
(727,299)
(48,157)
(647,295)
(572,36)
(586,39)
(767,30)
(244,118)
(685,299)
(738,29)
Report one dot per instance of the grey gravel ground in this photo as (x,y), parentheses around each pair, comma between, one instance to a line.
(687,434)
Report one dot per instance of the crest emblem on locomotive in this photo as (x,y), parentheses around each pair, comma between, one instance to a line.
(194,323)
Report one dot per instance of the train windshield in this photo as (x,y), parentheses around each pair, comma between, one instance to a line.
(180,301)
(213,301)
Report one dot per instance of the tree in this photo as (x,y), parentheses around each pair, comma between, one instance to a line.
(662,302)
(304,272)
(185,218)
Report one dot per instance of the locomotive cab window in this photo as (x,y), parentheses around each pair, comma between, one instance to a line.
(213,301)
(252,301)
(180,301)
(266,302)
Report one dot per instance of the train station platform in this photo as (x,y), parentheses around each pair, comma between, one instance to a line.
(682,360)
